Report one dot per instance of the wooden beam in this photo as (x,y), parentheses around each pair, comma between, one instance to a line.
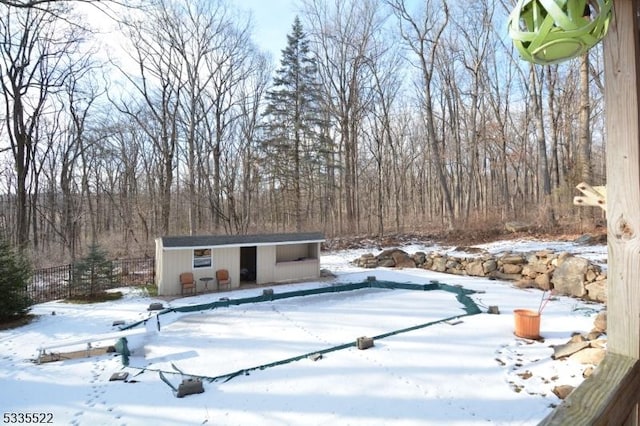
(605,398)
(593,196)
(611,395)
(622,95)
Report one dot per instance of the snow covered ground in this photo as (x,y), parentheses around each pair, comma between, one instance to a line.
(475,371)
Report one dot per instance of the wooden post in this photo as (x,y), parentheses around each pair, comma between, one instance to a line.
(622,100)
(612,393)
(622,94)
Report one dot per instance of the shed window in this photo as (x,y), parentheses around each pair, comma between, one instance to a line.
(202,258)
(294,252)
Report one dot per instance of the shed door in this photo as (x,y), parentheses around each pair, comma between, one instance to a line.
(248,264)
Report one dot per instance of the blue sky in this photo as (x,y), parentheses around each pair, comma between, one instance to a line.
(272,21)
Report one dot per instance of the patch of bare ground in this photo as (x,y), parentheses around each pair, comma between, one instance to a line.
(462,237)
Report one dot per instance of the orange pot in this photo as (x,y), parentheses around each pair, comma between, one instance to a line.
(527,323)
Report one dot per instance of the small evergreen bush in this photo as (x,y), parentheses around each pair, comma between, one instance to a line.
(92,275)
(15,275)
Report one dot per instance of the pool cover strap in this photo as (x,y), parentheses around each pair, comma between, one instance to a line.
(470,308)
(461,295)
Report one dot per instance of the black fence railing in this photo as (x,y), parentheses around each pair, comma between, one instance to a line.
(54,283)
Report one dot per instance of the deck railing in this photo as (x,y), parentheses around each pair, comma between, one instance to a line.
(609,396)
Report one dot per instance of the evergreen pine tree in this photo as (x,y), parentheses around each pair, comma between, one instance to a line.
(292,118)
(15,274)
(93,274)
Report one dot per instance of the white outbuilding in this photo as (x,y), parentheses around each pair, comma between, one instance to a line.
(248,259)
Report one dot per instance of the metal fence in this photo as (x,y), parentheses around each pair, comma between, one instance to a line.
(54,283)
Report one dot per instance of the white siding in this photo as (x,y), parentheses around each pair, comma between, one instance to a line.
(274,263)
(271,269)
(297,270)
(158,266)
(227,258)
(265,264)
(171,263)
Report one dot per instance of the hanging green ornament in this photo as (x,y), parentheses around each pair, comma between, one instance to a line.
(551,31)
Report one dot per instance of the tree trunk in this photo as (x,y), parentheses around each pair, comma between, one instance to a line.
(543,162)
(584,150)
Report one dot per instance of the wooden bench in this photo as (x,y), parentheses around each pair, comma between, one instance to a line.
(87,342)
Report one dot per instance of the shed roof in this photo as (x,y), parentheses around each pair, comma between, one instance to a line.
(191,241)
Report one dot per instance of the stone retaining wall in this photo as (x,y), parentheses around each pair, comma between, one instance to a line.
(566,274)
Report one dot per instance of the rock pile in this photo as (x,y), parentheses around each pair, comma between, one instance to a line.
(567,274)
(587,349)
(564,273)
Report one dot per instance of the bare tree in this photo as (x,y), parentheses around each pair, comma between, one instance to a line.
(251,94)
(535,96)
(202,32)
(385,145)
(32,4)
(474,49)
(343,34)
(35,59)
(422,37)
(228,66)
(159,88)
(585,116)
(38,4)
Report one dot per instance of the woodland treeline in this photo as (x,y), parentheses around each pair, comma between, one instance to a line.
(380,116)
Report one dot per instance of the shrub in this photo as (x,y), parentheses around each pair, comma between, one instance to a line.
(15,275)
(92,275)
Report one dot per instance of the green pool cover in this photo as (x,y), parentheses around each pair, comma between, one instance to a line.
(462,295)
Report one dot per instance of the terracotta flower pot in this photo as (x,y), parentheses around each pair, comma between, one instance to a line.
(527,323)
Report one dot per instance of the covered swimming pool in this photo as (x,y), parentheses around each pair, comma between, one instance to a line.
(233,337)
